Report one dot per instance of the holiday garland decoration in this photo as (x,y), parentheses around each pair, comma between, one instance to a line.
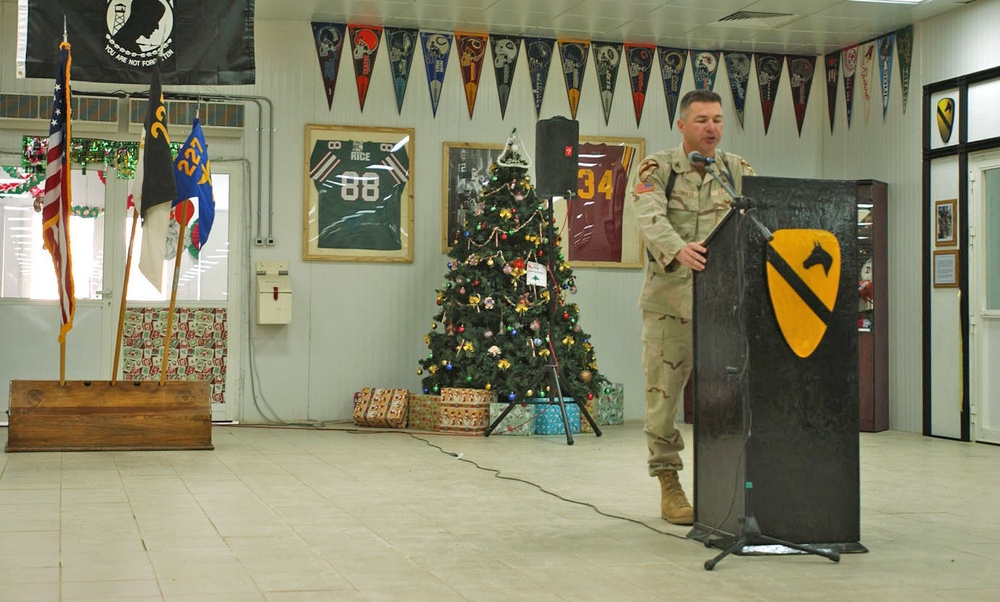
(502,309)
(122,156)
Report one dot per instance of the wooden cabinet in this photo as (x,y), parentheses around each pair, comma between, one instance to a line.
(873,306)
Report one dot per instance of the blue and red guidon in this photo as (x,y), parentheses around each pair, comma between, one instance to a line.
(193,174)
(56,200)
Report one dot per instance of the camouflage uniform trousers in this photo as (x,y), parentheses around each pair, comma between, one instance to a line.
(667,359)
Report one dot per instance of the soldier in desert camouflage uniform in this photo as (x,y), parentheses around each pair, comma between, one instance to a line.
(673,230)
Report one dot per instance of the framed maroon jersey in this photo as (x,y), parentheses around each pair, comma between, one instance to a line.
(597,232)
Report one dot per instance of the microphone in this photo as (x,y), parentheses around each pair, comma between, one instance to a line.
(696,158)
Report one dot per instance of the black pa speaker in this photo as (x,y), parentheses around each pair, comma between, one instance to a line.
(556,146)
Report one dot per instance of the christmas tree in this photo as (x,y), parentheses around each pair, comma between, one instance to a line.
(501,294)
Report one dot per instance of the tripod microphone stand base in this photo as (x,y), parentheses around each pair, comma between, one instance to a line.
(750,536)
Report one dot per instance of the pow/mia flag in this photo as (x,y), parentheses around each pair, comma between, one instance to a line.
(803,278)
(119,41)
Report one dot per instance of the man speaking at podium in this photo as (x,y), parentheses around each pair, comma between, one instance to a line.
(677,203)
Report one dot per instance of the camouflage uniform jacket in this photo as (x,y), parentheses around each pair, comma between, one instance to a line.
(695,207)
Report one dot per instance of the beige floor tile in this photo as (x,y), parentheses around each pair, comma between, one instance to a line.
(289,514)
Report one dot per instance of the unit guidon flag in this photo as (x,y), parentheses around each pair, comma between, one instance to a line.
(119,41)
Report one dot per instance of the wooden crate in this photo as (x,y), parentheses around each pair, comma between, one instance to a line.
(96,416)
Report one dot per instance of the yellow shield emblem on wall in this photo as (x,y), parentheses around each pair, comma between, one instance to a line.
(803,277)
(945,118)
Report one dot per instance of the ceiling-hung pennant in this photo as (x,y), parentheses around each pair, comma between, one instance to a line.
(329,39)
(832,62)
(573,54)
(800,75)
(866,63)
(706,66)
(885,44)
(850,68)
(437,48)
(505,51)
(607,59)
(364,47)
(539,51)
(769,68)
(639,58)
(471,48)
(904,49)
(400,44)
(738,71)
(672,63)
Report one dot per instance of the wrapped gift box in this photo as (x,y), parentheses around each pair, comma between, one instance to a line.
(519,421)
(425,411)
(548,420)
(381,407)
(611,405)
(465,411)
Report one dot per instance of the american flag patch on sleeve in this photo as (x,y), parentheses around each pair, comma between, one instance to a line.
(642,187)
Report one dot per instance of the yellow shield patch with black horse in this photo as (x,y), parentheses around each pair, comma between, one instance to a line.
(803,277)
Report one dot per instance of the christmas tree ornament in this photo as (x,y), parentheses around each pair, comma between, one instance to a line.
(586,376)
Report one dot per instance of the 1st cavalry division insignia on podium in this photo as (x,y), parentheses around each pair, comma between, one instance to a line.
(803,276)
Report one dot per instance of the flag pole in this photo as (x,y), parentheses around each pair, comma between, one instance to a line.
(68,177)
(181,216)
(121,311)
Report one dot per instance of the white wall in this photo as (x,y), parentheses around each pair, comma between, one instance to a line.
(362,324)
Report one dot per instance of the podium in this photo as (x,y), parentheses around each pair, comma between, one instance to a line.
(776,427)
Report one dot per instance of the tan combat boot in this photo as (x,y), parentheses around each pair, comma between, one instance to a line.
(674,505)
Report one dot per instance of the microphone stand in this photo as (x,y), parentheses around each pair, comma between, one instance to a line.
(749,533)
(741,203)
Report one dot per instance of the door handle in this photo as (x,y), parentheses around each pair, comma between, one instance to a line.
(106,293)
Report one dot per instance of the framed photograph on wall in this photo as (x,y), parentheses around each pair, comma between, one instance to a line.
(465,171)
(599,229)
(945,227)
(358,194)
(946,269)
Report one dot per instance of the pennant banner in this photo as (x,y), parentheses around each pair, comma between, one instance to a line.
(400,44)
(885,44)
(769,68)
(738,70)
(202,43)
(850,68)
(573,54)
(706,66)
(607,59)
(437,48)
(56,201)
(329,39)
(640,63)
(539,51)
(800,76)
(672,63)
(832,77)
(471,51)
(505,50)
(364,48)
(867,63)
(904,48)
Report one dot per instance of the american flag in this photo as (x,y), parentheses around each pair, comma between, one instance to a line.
(56,201)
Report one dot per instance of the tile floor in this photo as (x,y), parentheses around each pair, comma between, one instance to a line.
(304,514)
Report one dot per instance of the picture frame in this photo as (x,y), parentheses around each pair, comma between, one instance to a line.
(945,225)
(945,266)
(601,231)
(465,170)
(358,194)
